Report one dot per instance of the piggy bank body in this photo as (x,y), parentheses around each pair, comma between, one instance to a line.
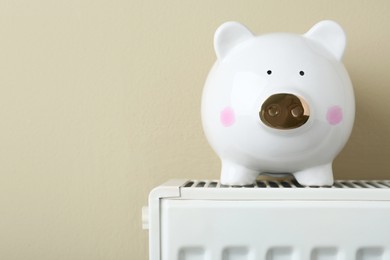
(278,103)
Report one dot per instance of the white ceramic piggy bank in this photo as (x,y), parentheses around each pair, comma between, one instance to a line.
(278,103)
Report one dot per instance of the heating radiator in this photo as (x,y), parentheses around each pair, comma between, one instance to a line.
(272,220)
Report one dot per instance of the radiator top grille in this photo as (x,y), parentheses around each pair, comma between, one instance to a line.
(338,184)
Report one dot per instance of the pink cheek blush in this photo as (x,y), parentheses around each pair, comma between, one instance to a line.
(227,117)
(334,115)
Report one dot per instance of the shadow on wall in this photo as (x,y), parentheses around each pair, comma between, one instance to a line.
(366,156)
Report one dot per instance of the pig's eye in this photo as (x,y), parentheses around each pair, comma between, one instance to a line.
(301,73)
(269,72)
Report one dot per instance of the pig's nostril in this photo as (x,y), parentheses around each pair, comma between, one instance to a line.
(297,111)
(273,110)
(284,111)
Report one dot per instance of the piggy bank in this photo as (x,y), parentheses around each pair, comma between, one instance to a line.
(279,103)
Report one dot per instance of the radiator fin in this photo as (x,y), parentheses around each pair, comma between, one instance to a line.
(286,184)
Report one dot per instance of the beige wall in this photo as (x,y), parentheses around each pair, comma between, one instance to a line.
(99,103)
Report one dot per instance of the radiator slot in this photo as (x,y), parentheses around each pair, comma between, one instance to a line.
(362,184)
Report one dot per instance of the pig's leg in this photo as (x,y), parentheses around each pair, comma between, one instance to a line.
(316,176)
(235,174)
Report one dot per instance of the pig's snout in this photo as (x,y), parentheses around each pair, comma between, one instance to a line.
(284,111)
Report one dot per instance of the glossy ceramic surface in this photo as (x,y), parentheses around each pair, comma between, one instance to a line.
(278,103)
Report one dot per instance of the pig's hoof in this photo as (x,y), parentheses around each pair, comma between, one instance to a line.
(316,176)
(234,174)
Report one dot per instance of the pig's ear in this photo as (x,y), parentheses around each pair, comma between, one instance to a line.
(229,35)
(330,35)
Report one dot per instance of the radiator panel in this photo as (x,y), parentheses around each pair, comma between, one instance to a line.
(211,229)
(272,220)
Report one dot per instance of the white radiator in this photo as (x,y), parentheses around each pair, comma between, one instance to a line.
(273,220)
